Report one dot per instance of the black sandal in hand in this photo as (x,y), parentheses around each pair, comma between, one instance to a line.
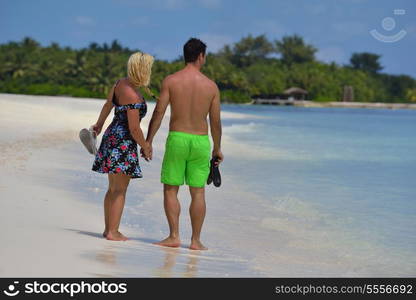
(214,174)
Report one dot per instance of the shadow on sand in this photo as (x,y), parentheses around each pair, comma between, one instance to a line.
(168,268)
(139,239)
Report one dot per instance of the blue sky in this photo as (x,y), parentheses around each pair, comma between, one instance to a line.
(336,27)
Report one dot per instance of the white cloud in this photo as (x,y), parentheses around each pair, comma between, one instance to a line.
(85,21)
(330,54)
(215,41)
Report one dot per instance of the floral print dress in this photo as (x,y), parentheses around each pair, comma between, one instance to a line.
(118,149)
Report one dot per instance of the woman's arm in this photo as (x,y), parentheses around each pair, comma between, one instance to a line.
(136,132)
(105,111)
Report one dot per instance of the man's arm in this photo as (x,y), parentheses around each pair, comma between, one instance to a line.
(159,112)
(215,124)
(105,111)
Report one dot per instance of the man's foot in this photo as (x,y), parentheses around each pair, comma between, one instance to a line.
(169,242)
(197,245)
(116,236)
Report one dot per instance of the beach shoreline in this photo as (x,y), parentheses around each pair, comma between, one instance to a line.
(54,224)
(52,208)
(295,103)
(339,104)
(333,104)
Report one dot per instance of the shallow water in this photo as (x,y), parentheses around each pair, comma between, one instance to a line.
(345,172)
(306,192)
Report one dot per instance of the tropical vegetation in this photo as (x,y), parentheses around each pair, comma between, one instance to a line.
(252,67)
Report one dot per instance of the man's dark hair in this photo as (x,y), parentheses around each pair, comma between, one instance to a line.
(192,49)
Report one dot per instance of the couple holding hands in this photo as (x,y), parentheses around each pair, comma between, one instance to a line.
(192,97)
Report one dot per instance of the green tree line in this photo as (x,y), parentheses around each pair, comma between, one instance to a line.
(252,67)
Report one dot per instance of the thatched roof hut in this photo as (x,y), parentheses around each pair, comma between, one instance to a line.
(296,93)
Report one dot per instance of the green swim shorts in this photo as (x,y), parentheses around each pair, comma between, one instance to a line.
(186,157)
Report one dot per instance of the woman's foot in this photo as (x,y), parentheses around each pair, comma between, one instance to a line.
(169,242)
(116,236)
(197,245)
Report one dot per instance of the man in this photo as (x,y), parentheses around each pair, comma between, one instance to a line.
(192,96)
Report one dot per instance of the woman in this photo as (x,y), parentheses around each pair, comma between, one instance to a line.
(117,155)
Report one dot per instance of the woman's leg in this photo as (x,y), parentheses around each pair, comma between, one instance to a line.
(117,190)
(107,203)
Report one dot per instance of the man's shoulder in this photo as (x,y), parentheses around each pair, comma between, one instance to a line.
(209,82)
(171,78)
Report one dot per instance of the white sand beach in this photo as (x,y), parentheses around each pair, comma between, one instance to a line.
(52,216)
(51,203)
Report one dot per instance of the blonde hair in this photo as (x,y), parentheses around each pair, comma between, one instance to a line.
(139,70)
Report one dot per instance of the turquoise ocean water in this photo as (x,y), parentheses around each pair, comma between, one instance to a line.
(355,169)
(306,192)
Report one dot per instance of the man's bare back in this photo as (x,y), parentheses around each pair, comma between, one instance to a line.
(191,94)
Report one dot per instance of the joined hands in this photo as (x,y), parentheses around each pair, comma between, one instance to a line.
(147,151)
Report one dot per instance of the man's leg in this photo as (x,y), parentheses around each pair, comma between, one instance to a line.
(197,211)
(172,211)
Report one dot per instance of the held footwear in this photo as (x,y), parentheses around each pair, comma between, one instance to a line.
(214,174)
(89,140)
